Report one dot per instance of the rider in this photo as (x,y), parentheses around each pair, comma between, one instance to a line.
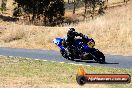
(69,42)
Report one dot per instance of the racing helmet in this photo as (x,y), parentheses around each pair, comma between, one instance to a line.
(72,29)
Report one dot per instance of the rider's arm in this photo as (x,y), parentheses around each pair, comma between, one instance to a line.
(84,37)
(76,34)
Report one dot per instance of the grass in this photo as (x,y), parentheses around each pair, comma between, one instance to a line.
(28,73)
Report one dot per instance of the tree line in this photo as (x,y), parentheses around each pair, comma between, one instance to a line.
(51,11)
(3,5)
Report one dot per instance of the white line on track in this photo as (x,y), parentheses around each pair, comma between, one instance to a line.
(71,63)
(45,60)
(28,58)
(62,62)
(88,65)
(53,61)
(37,59)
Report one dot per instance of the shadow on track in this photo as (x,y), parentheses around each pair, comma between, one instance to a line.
(110,63)
(86,61)
(92,61)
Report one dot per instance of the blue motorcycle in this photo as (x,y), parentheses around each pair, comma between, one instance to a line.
(83,50)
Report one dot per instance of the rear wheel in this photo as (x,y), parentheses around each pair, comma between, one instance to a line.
(101,57)
(98,57)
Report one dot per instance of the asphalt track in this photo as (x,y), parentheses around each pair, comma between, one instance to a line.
(115,61)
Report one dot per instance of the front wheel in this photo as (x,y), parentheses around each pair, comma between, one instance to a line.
(66,54)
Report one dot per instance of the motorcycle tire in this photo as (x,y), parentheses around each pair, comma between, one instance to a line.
(65,54)
(101,57)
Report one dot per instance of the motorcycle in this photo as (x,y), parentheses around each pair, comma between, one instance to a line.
(83,50)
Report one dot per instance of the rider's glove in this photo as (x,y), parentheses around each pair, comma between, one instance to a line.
(86,37)
(81,34)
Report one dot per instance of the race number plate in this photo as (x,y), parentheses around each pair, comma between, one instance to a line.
(91,44)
